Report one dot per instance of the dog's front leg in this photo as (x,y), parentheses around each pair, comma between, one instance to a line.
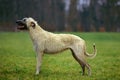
(39,62)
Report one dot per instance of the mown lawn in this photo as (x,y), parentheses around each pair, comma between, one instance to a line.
(18,62)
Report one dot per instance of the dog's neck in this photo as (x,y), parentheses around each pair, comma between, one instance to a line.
(37,31)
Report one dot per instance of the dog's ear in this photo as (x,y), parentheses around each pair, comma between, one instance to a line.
(32,24)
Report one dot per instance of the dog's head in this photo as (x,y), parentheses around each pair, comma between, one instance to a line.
(26,23)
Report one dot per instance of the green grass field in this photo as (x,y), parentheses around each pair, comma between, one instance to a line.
(18,62)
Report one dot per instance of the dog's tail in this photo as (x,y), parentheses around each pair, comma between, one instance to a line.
(94,52)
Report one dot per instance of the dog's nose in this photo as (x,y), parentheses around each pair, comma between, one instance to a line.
(18,21)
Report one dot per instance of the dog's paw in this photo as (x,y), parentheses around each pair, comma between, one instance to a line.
(37,73)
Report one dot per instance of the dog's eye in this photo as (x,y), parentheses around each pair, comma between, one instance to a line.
(24,19)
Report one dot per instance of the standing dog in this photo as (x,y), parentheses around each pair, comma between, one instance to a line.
(47,42)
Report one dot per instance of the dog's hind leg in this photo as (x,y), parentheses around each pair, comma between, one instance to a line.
(82,62)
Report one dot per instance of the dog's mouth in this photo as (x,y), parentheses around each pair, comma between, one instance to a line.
(21,25)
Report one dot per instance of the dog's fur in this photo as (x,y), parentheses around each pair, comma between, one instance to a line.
(50,43)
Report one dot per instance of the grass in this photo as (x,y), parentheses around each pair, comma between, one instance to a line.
(17,59)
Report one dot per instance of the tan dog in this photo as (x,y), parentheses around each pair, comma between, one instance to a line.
(47,42)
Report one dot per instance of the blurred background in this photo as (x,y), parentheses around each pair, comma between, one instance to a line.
(63,15)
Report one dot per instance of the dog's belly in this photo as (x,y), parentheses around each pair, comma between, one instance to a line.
(55,49)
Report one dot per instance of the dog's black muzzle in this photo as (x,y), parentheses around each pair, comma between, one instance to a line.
(21,25)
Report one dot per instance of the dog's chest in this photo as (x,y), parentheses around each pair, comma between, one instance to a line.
(38,45)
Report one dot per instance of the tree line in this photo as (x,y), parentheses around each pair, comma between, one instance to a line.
(99,15)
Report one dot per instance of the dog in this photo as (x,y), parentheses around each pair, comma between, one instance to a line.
(51,43)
